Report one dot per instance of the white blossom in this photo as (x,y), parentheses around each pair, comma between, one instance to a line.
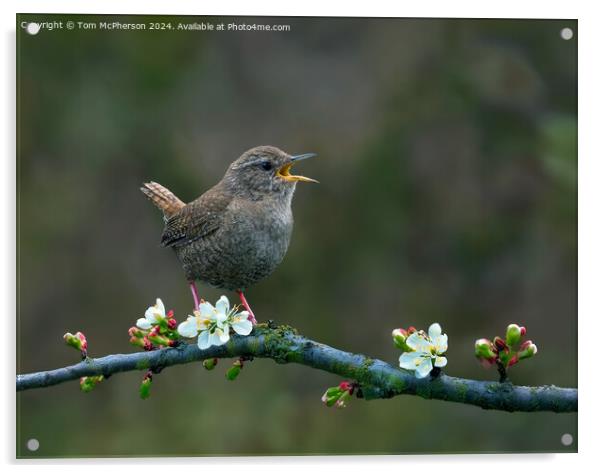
(212,324)
(153,315)
(427,351)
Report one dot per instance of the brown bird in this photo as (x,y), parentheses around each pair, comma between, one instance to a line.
(237,232)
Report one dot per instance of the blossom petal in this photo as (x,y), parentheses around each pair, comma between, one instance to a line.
(424,368)
(224,335)
(243,327)
(244,315)
(218,338)
(434,331)
(410,360)
(150,314)
(417,342)
(207,310)
(203,340)
(156,312)
(440,343)
(223,305)
(440,361)
(189,328)
(143,323)
(160,307)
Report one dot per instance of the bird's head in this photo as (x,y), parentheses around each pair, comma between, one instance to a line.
(265,171)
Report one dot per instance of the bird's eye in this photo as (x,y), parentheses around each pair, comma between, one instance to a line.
(266,165)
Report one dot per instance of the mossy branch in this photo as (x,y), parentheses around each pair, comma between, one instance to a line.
(378,380)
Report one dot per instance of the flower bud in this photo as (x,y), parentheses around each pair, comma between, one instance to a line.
(83,340)
(156,330)
(330,400)
(139,342)
(401,332)
(169,314)
(340,402)
(210,363)
(513,360)
(159,340)
(234,370)
(135,332)
(527,350)
(484,349)
(77,341)
(88,383)
(172,323)
(523,331)
(513,334)
(399,338)
(145,386)
(499,343)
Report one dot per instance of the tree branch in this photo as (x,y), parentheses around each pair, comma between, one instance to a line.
(378,379)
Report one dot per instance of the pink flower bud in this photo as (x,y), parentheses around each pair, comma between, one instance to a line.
(523,331)
(499,343)
(400,336)
(139,342)
(527,350)
(400,331)
(169,314)
(135,332)
(345,386)
(83,341)
(172,323)
(77,341)
(525,345)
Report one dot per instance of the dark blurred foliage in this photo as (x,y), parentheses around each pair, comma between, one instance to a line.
(447,162)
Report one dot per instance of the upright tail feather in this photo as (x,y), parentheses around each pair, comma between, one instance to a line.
(163,198)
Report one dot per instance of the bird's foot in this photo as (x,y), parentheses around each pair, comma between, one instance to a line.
(252,316)
(195,294)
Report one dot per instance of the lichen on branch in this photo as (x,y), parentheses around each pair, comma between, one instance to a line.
(377,379)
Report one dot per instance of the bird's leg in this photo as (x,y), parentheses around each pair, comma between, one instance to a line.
(245,304)
(195,294)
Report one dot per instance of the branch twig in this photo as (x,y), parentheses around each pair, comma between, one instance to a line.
(378,379)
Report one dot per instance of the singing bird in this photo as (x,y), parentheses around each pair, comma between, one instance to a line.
(237,232)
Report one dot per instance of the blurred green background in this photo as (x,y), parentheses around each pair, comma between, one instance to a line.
(448,170)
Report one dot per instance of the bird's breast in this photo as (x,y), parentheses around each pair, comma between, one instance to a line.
(250,244)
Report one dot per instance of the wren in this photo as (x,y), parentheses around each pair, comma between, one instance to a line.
(237,232)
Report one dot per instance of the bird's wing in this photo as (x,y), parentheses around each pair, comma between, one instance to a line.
(198,219)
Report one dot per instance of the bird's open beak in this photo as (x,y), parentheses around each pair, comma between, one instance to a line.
(285,171)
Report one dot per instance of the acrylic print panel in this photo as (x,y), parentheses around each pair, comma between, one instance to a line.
(430,280)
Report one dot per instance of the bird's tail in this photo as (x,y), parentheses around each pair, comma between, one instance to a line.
(163,198)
